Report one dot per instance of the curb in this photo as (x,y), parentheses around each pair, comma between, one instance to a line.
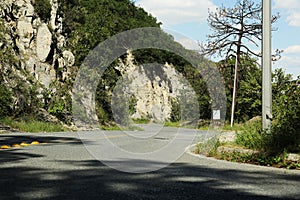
(189,151)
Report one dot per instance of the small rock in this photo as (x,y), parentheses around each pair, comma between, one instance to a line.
(223,149)
(226,137)
(293,157)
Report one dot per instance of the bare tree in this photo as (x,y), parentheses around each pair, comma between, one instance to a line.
(236,31)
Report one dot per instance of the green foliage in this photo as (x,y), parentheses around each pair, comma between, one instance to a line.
(279,160)
(251,136)
(103,115)
(248,103)
(285,133)
(32,125)
(43,9)
(208,147)
(57,109)
(141,121)
(175,115)
(172,124)
(132,105)
(87,23)
(26,98)
(5,101)
(6,51)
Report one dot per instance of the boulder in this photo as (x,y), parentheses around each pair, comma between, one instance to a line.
(43,42)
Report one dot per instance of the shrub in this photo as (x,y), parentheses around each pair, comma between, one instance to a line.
(43,9)
(251,137)
(5,101)
(285,133)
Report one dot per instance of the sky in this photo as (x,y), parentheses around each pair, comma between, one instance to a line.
(189,18)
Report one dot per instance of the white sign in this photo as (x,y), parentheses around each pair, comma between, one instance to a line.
(216,115)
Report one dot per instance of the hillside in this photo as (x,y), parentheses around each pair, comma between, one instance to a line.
(44,42)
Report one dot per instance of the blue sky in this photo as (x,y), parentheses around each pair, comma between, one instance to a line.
(189,18)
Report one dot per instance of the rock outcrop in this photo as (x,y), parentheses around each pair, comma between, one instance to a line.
(42,58)
(38,46)
(154,87)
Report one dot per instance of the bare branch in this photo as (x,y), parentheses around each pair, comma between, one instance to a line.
(235,29)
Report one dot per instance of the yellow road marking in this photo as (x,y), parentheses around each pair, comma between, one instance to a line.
(25,144)
(34,143)
(16,145)
(4,147)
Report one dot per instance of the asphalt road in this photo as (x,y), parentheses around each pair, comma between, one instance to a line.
(65,168)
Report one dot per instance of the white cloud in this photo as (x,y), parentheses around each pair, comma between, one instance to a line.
(171,12)
(290,60)
(295,49)
(189,44)
(291,7)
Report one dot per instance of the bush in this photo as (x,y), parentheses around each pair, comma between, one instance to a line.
(285,133)
(43,9)
(5,101)
(251,137)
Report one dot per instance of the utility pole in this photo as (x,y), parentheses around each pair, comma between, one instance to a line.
(266,66)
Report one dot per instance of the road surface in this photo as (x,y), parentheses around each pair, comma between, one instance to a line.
(63,168)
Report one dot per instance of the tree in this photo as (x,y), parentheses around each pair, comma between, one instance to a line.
(235,30)
(250,95)
(285,133)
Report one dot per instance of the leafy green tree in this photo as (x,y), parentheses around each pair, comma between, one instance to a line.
(249,99)
(87,23)
(285,134)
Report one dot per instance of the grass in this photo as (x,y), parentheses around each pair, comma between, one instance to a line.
(33,126)
(249,136)
(172,124)
(205,126)
(180,125)
(121,128)
(235,127)
(279,161)
(141,121)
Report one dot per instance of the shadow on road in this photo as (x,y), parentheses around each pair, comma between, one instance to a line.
(92,180)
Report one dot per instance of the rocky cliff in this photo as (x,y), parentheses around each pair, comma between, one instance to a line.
(38,47)
(41,65)
(156,90)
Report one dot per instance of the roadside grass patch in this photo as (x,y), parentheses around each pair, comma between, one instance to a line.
(141,121)
(251,137)
(121,128)
(235,127)
(33,126)
(172,124)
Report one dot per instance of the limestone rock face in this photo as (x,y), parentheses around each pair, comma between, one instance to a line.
(32,39)
(153,86)
(43,42)
(39,62)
